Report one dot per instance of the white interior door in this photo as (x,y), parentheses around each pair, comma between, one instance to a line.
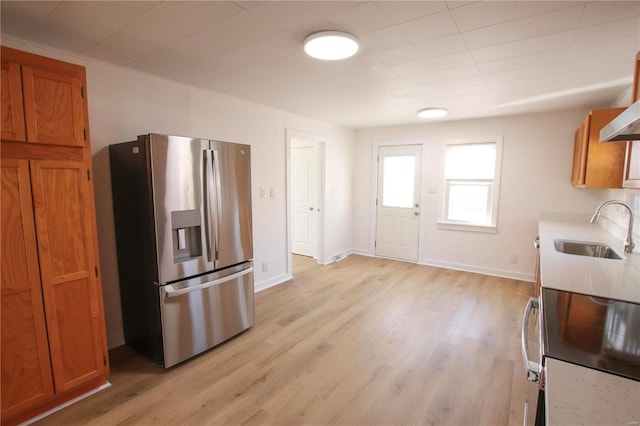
(304,170)
(398,202)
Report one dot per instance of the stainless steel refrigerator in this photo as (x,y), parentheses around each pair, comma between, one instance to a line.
(182,212)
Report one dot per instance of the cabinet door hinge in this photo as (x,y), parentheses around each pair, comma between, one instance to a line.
(84,134)
(88,174)
(104,360)
(375,244)
(96,270)
(82,92)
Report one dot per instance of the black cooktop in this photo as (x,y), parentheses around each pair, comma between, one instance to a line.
(603,334)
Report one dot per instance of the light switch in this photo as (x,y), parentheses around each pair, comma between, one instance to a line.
(263,192)
(272,192)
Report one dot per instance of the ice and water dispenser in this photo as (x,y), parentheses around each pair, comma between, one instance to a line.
(187,243)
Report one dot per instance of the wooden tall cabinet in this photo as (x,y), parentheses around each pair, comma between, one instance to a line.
(53,340)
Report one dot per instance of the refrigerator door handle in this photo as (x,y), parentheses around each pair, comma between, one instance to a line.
(207,186)
(218,202)
(172,292)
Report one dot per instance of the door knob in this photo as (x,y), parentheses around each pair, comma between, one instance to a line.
(416,213)
(311,208)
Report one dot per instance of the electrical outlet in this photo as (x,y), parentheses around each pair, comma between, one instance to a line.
(272,192)
(513,258)
(265,267)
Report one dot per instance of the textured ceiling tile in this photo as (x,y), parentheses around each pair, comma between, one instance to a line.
(21,18)
(523,47)
(622,29)
(75,26)
(361,19)
(483,14)
(535,26)
(429,27)
(382,40)
(441,46)
(609,11)
(403,11)
(440,64)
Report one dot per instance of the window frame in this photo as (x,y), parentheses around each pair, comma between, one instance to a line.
(493,196)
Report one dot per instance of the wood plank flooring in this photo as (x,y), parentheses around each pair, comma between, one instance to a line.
(364,341)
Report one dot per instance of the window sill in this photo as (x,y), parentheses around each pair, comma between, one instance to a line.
(456,226)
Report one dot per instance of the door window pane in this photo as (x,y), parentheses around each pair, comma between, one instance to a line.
(398,181)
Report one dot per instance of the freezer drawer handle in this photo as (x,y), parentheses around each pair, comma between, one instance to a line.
(171,292)
(532,368)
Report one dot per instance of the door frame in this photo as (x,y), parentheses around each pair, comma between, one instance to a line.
(374,193)
(321,141)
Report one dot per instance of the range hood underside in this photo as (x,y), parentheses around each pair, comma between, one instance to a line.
(625,127)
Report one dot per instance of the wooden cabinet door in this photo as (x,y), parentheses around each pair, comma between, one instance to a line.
(580,147)
(595,164)
(632,166)
(26,370)
(11,94)
(53,107)
(67,268)
(605,161)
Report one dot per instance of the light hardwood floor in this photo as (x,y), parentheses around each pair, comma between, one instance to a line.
(360,342)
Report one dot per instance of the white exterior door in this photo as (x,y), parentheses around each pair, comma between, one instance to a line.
(398,202)
(304,170)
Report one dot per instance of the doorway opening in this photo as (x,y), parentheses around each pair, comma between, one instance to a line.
(398,175)
(305,196)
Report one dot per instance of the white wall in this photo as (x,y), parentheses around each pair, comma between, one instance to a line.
(537,158)
(536,169)
(124,104)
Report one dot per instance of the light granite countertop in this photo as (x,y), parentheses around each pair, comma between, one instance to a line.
(577,395)
(582,396)
(610,278)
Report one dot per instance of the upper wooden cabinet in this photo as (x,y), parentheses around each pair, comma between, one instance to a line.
(41,103)
(632,157)
(12,111)
(595,164)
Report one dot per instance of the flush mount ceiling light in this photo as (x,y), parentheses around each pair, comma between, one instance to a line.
(432,112)
(331,45)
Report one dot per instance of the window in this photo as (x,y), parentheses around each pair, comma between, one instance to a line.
(471,185)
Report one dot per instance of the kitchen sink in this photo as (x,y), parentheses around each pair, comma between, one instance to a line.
(582,248)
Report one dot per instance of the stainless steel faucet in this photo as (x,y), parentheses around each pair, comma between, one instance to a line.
(628,241)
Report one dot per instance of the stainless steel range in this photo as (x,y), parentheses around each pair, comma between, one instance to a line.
(598,333)
(594,332)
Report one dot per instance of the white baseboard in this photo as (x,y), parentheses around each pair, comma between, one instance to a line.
(462,267)
(279,279)
(65,405)
(338,257)
(480,270)
(363,252)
